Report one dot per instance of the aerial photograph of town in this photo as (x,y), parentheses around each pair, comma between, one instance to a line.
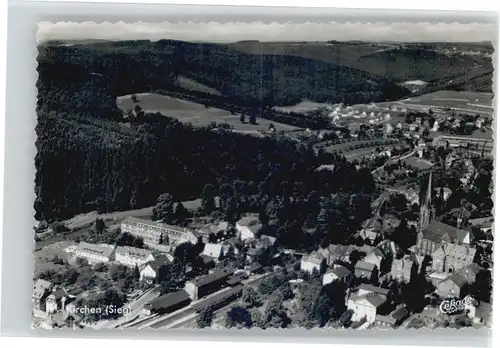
(189,181)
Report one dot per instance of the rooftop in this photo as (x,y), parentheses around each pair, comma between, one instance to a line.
(375,300)
(168,300)
(393,317)
(365,266)
(374,289)
(40,287)
(210,278)
(132,219)
(218,297)
(212,250)
(341,250)
(158,262)
(437,229)
(458,279)
(340,271)
(133,252)
(99,249)
(456,250)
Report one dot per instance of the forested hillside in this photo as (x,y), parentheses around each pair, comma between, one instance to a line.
(396,62)
(89,159)
(84,165)
(141,66)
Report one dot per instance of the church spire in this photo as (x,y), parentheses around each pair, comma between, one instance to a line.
(426,206)
(428,196)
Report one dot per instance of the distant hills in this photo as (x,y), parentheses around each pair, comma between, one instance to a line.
(243,77)
(257,73)
(442,65)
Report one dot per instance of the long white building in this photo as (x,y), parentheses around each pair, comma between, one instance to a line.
(153,232)
(95,253)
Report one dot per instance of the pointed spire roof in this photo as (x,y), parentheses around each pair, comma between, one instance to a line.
(428,196)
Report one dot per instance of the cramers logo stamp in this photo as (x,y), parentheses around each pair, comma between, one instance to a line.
(454,306)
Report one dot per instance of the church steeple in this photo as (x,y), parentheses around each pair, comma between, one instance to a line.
(426,206)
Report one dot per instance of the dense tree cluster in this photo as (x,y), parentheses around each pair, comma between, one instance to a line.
(84,166)
(248,79)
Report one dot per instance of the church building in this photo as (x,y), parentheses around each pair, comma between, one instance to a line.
(432,233)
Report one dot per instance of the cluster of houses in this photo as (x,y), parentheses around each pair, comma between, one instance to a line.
(160,241)
(443,253)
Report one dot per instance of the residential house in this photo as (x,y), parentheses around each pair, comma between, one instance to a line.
(393,319)
(231,245)
(152,271)
(437,278)
(381,256)
(366,302)
(337,273)
(403,269)
(259,247)
(167,303)
(314,261)
(213,251)
(255,268)
(131,257)
(215,233)
(484,223)
(56,300)
(248,226)
(453,286)
(365,270)
(95,253)
(371,228)
(154,232)
(470,272)
(480,313)
(339,253)
(207,284)
(375,258)
(367,249)
(41,289)
(450,257)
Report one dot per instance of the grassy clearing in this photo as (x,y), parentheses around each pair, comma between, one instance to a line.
(462,101)
(192,85)
(196,114)
(302,107)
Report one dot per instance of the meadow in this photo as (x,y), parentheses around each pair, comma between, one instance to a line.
(197,114)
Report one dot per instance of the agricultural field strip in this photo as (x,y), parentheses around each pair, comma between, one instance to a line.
(197,114)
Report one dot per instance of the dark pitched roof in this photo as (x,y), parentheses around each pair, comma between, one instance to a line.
(341,271)
(395,316)
(158,262)
(375,299)
(168,300)
(364,266)
(210,278)
(341,250)
(375,289)
(254,267)
(58,294)
(235,279)
(458,279)
(436,230)
(217,298)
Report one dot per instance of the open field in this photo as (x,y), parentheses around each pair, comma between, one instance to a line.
(355,145)
(192,85)
(196,114)
(303,107)
(461,101)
